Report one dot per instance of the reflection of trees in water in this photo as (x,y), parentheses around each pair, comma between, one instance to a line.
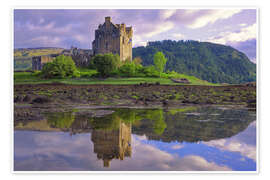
(206,124)
(167,125)
(154,117)
(111,134)
(60,119)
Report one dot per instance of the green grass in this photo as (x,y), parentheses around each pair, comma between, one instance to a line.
(33,78)
(87,73)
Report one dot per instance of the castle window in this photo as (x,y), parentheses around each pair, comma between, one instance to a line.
(106,46)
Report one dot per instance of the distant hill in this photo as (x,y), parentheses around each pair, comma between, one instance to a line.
(208,61)
(29,52)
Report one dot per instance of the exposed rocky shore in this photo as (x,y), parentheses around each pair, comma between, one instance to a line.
(57,95)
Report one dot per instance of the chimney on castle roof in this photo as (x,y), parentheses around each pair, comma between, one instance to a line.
(108,19)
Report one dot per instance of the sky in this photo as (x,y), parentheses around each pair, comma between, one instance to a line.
(75,27)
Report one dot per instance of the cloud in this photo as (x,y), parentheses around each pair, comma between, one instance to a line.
(138,41)
(45,40)
(32,27)
(243,24)
(197,163)
(178,35)
(165,14)
(148,157)
(234,146)
(74,26)
(44,151)
(196,18)
(160,28)
(241,143)
(211,17)
(244,34)
(177,146)
(244,40)
(81,38)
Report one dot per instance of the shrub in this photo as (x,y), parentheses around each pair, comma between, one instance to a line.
(62,66)
(150,71)
(172,74)
(106,64)
(128,69)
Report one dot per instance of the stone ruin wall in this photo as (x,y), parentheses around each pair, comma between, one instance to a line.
(39,61)
(80,57)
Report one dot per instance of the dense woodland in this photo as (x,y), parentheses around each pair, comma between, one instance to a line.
(208,61)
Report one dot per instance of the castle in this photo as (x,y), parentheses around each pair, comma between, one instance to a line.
(109,38)
(112,144)
(113,38)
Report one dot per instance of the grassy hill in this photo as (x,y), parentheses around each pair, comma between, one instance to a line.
(29,52)
(208,61)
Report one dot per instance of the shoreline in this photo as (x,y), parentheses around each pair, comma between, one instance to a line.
(139,95)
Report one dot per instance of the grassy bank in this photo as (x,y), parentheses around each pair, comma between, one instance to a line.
(33,78)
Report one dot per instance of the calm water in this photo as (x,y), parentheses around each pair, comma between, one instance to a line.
(185,139)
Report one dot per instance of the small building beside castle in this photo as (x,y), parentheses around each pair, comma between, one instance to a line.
(81,57)
(39,61)
(113,38)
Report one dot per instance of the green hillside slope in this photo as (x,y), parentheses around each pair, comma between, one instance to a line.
(208,61)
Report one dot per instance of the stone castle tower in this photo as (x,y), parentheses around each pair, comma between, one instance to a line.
(113,38)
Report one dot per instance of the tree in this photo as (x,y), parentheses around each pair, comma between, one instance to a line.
(160,62)
(62,66)
(106,64)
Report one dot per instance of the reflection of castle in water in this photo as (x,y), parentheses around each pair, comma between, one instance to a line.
(112,144)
